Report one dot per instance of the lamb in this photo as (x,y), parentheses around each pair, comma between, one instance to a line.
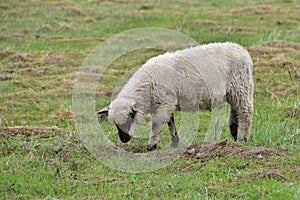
(202,77)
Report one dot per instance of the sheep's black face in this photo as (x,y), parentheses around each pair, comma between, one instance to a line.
(124,114)
(124,137)
(124,130)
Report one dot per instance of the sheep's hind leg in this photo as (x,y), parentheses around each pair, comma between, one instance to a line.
(244,125)
(233,123)
(173,132)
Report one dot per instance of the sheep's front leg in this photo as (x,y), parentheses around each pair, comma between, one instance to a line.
(173,132)
(159,117)
(155,134)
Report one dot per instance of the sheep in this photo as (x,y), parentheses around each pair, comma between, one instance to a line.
(197,78)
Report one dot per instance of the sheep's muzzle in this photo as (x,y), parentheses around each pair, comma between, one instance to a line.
(123,135)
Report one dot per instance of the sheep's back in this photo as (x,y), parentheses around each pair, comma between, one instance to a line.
(193,78)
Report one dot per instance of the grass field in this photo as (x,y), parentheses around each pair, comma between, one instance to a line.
(42,46)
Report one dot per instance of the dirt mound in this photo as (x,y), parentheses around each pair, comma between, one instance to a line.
(228,149)
(203,150)
(264,157)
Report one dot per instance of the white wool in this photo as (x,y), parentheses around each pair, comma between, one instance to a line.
(202,77)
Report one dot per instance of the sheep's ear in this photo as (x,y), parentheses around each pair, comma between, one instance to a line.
(140,119)
(137,109)
(104,110)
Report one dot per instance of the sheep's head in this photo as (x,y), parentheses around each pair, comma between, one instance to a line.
(124,113)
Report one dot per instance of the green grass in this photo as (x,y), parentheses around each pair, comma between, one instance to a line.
(42,47)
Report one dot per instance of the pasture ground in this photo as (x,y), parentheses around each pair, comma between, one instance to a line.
(42,47)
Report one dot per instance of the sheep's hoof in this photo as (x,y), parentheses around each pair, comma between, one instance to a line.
(244,139)
(175,141)
(151,148)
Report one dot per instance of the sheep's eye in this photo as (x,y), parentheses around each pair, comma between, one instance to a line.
(131,115)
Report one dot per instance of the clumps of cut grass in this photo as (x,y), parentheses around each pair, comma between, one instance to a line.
(33,60)
(4,6)
(63,114)
(13,56)
(237,29)
(55,59)
(66,26)
(279,60)
(75,11)
(275,53)
(199,22)
(46,27)
(147,6)
(89,19)
(282,44)
(27,131)
(292,111)
(279,174)
(260,10)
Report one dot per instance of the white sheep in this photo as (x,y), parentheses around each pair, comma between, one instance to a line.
(202,77)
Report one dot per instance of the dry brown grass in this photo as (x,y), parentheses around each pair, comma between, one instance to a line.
(282,54)
(261,10)
(270,173)
(42,132)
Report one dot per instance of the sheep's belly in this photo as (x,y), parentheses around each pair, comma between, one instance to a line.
(200,100)
(189,103)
